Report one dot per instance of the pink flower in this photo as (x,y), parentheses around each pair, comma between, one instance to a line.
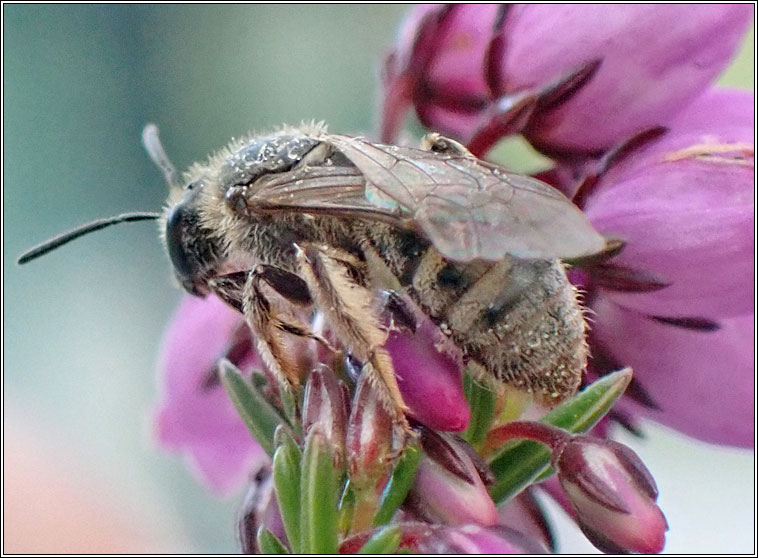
(577,78)
(702,382)
(430,379)
(195,416)
(677,304)
(448,487)
(613,495)
(684,205)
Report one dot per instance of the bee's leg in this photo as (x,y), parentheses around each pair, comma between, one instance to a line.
(440,144)
(243,291)
(229,288)
(394,302)
(350,310)
(397,307)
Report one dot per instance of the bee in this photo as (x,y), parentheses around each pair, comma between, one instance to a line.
(338,223)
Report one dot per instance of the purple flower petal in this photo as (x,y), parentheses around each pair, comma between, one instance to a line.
(655,60)
(730,111)
(703,382)
(195,417)
(718,116)
(685,207)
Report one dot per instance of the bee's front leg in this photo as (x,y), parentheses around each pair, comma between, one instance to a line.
(244,291)
(351,311)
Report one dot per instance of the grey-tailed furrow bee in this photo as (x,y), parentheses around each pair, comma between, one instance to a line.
(332,222)
(329,221)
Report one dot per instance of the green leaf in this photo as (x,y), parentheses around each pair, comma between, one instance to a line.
(289,407)
(346,508)
(483,404)
(398,486)
(522,462)
(260,417)
(385,541)
(287,473)
(269,544)
(318,513)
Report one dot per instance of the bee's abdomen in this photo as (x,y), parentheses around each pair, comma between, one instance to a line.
(519,319)
(531,334)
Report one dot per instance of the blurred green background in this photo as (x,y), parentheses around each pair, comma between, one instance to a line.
(82,327)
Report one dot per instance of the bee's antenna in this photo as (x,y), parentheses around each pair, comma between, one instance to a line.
(154,149)
(65,238)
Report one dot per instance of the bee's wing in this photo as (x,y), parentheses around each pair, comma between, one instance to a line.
(333,190)
(467,208)
(471,209)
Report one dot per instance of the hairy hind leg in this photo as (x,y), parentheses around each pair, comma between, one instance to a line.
(350,308)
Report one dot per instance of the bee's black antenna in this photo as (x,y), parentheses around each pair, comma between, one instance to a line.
(154,149)
(65,238)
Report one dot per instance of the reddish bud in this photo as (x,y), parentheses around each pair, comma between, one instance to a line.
(369,443)
(259,509)
(424,538)
(326,405)
(449,487)
(613,495)
(429,377)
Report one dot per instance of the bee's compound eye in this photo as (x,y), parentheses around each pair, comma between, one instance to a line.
(176,232)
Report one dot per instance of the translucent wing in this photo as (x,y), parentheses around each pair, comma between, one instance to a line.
(469,209)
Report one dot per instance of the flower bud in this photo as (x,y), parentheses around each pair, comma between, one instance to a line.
(259,509)
(613,495)
(326,405)
(524,513)
(369,442)
(448,487)
(428,377)
(478,539)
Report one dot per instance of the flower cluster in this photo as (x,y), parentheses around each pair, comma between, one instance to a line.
(618,97)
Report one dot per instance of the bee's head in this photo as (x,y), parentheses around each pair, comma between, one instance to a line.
(194,251)
(200,232)
(192,248)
